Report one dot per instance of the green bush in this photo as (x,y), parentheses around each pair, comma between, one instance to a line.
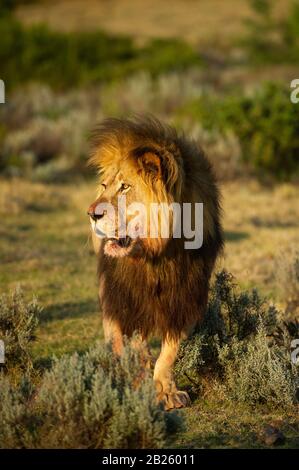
(78,58)
(269,39)
(166,55)
(95,400)
(242,346)
(266,124)
(18,322)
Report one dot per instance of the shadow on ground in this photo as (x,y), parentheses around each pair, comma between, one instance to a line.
(234,236)
(273,223)
(69,310)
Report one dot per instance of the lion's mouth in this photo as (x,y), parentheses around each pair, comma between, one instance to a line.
(123,242)
(118,246)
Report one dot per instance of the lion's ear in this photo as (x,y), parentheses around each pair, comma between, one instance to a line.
(151,164)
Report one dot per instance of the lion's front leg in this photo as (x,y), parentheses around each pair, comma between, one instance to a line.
(167,391)
(113,334)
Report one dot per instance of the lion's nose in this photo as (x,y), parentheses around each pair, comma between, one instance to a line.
(94,216)
(92,213)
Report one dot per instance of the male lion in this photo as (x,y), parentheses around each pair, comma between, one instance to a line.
(153,285)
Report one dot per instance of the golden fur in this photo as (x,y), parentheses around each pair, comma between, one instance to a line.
(165,274)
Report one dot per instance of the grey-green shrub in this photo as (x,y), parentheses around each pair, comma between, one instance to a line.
(259,373)
(242,345)
(95,400)
(12,412)
(18,322)
(231,314)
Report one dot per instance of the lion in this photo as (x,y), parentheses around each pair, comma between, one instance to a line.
(153,285)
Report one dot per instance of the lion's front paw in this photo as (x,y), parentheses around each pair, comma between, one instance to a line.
(177,399)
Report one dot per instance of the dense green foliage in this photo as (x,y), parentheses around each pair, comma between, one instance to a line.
(266,123)
(66,60)
(270,39)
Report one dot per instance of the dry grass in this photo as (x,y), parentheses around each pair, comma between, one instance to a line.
(211,424)
(202,21)
(260,223)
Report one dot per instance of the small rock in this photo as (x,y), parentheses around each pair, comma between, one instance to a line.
(272,436)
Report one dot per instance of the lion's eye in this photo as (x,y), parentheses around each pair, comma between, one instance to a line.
(104,186)
(124,187)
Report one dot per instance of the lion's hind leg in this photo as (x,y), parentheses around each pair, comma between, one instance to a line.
(138,343)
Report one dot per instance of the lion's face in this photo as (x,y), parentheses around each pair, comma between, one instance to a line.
(121,212)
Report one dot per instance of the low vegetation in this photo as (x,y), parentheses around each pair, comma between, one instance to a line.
(90,401)
(241,354)
(44,134)
(244,347)
(265,123)
(18,322)
(269,39)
